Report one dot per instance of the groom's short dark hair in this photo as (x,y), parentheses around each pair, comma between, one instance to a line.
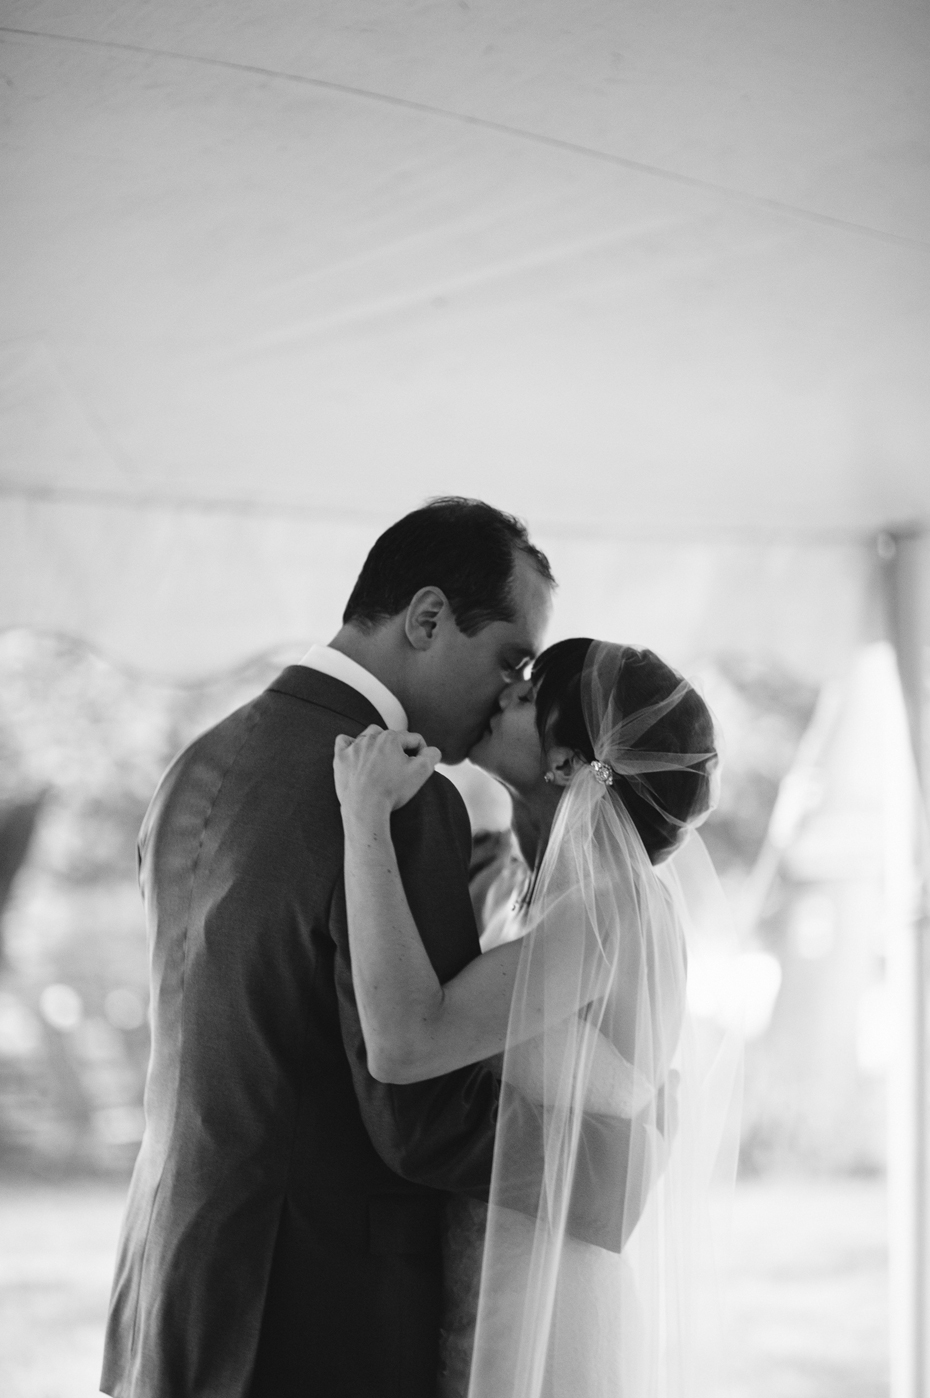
(465,547)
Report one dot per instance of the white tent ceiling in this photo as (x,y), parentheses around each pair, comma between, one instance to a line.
(656,276)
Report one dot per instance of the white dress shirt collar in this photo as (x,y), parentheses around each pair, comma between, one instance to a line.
(340,667)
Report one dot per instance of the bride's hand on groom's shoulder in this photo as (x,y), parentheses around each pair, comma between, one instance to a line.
(380,769)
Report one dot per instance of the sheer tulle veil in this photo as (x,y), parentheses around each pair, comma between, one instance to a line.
(607,1290)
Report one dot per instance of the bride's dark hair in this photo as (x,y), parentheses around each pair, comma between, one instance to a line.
(643,679)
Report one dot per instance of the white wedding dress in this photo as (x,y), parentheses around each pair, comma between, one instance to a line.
(595,1285)
(589,1273)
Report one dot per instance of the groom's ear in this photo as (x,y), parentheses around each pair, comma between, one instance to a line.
(423,616)
(563,763)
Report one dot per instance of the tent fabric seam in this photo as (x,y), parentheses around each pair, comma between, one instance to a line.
(729,192)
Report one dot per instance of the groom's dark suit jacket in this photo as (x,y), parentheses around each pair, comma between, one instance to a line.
(282,1230)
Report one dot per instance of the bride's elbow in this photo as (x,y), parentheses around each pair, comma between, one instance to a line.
(399,1067)
(384,1067)
(402,1048)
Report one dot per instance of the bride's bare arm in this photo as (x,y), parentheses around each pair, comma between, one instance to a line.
(414,1027)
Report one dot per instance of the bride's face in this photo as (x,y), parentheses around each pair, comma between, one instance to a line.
(510,748)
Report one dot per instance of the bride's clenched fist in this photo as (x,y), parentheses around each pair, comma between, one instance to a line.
(380,769)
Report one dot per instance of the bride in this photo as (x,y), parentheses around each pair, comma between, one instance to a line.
(596,1254)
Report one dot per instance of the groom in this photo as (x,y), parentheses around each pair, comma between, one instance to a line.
(282,1231)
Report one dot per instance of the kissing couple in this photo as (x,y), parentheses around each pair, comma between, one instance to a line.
(383,1159)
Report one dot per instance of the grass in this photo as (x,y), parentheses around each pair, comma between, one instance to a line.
(807,1298)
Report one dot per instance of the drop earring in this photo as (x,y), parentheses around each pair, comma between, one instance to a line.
(549,777)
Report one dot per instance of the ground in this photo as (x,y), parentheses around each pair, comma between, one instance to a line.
(808,1296)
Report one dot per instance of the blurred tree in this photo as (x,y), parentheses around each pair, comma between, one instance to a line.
(82,747)
(17,823)
(762,710)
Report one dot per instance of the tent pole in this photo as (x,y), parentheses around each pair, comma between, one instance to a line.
(902,556)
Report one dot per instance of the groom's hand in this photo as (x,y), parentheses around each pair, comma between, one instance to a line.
(380,769)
